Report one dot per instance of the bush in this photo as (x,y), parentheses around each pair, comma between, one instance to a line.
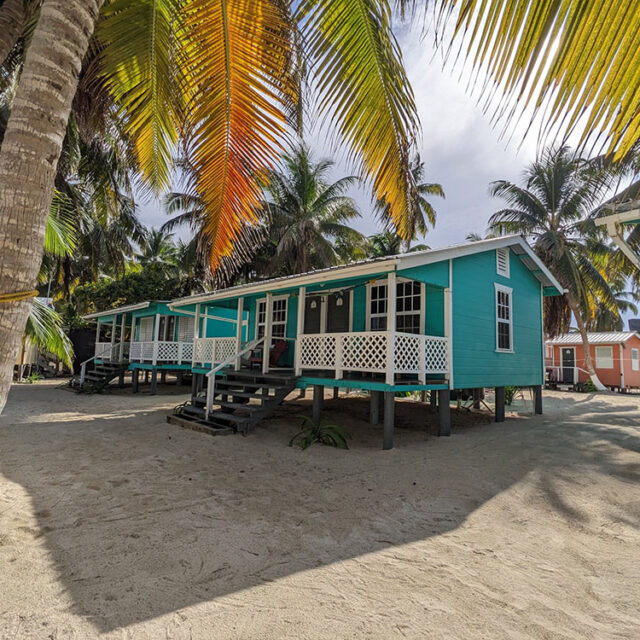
(328,434)
(509,394)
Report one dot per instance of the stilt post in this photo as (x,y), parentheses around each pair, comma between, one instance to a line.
(135,378)
(477,394)
(537,398)
(318,401)
(389,420)
(444,412)
(499,404)
(375,407)
(154,382)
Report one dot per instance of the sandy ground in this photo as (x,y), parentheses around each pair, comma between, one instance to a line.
(115,524)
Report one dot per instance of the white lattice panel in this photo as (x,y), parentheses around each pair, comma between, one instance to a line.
(212,350)
(225,348)
(436,354)
(186,351)
(135,351)
(365,351)
(408,352)
(103,351)
(318,351)
(147,350)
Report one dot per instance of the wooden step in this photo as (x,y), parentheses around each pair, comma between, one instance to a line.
(195,425)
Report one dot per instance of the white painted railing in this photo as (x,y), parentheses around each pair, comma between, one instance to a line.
(161,351)
(373,352)
(208,351)
(107,352)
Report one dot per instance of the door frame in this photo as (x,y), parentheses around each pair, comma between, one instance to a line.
(324,308)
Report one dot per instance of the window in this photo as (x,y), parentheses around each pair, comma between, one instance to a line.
(635,359)
(185,329)
(278,316)
(167,329)
(408,307)
(604,357)
(502,262)
(504,318)
(146,330)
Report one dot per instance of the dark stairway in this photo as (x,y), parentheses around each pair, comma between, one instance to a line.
(241,399)
(99,377)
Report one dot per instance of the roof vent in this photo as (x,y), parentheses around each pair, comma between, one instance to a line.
(502,262)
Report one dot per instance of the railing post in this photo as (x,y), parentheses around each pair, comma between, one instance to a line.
(239,319)
(179,352)
(339,337)
(268,322)
(83,372)
(390,344)
(298,355)
(422,345)
(123,327)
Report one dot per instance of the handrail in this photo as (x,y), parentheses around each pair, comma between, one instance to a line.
(83,365)
(211,375)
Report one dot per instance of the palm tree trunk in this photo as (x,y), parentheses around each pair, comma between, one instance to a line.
(588,362)
(29,156)
(11,18)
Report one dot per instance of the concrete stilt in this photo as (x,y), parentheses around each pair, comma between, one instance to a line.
(179,378)
(318,401)
(477,396)
(336,392)
(194,386)
(135,378)
(121,379)
(433,400)
(499,404)
(303,393)
(163,377)
(423,396)
(154,382)
(537,398)
(374,408)
(389,420)
(146,376)
(444,412)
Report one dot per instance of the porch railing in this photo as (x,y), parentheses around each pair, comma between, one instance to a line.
(108,352)
(161,352)
(373,352)
(208,351)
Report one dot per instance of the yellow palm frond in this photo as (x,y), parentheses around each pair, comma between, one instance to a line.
(577,57)
(140,61)
(238,52)
(365,92)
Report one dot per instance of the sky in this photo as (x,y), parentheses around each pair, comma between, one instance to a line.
(461,150)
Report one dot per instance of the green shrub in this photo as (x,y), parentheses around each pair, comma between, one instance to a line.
(328,434)
(588,386)
(509,394)
(34,377)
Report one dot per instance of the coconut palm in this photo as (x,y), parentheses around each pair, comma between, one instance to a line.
(421,211)
(306,213)
(552,209)
(216,79)
(388,243)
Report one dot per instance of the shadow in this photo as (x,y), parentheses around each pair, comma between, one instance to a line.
(142,518)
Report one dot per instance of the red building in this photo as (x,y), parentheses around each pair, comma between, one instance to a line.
(615,355)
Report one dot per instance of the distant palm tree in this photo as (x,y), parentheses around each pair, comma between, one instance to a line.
(421,212)
(158,248)
(552,209)
(307,214)
(389,243)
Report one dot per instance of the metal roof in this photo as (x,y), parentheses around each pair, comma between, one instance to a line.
(600,337)
(125,309)
(387,263)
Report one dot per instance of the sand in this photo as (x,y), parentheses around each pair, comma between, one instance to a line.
(115,524)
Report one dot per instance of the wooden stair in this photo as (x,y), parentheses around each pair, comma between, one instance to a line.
(98,377)
(242,399)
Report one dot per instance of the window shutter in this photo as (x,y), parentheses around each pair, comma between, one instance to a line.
(185,329)
(502,262)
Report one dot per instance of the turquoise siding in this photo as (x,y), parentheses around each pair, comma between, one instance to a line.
(434,311)
(476,362)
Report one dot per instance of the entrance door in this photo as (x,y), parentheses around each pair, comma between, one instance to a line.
(313,314)
(568,364)
(338,307)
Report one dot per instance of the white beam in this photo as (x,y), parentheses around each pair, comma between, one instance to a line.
(268,321)
(239,331)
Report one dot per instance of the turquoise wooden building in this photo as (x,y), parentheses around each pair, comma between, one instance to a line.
(463,317)
(152,338)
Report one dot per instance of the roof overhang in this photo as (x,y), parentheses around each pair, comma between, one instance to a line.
(110,312)
(516,243)
(370,267)
(611,222)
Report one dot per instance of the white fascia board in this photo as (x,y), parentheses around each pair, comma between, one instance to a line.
(620,217)
(110,312)
(292,282)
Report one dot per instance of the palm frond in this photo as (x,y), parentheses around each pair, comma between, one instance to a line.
(44,329)
(365,92)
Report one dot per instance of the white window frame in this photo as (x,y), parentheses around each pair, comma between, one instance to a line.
(604,362)
(263,324)
(500,288)
(504,251)
(635,361)
(383,283)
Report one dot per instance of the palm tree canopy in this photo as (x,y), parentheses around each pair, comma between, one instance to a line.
(553,209)
(575,59)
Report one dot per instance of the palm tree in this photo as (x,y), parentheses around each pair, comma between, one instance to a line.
(552,209)
(421,212)
(388,243)
(215,79)
(158,249)
(306,214)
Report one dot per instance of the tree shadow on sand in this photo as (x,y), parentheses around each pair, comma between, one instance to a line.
(134,510)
